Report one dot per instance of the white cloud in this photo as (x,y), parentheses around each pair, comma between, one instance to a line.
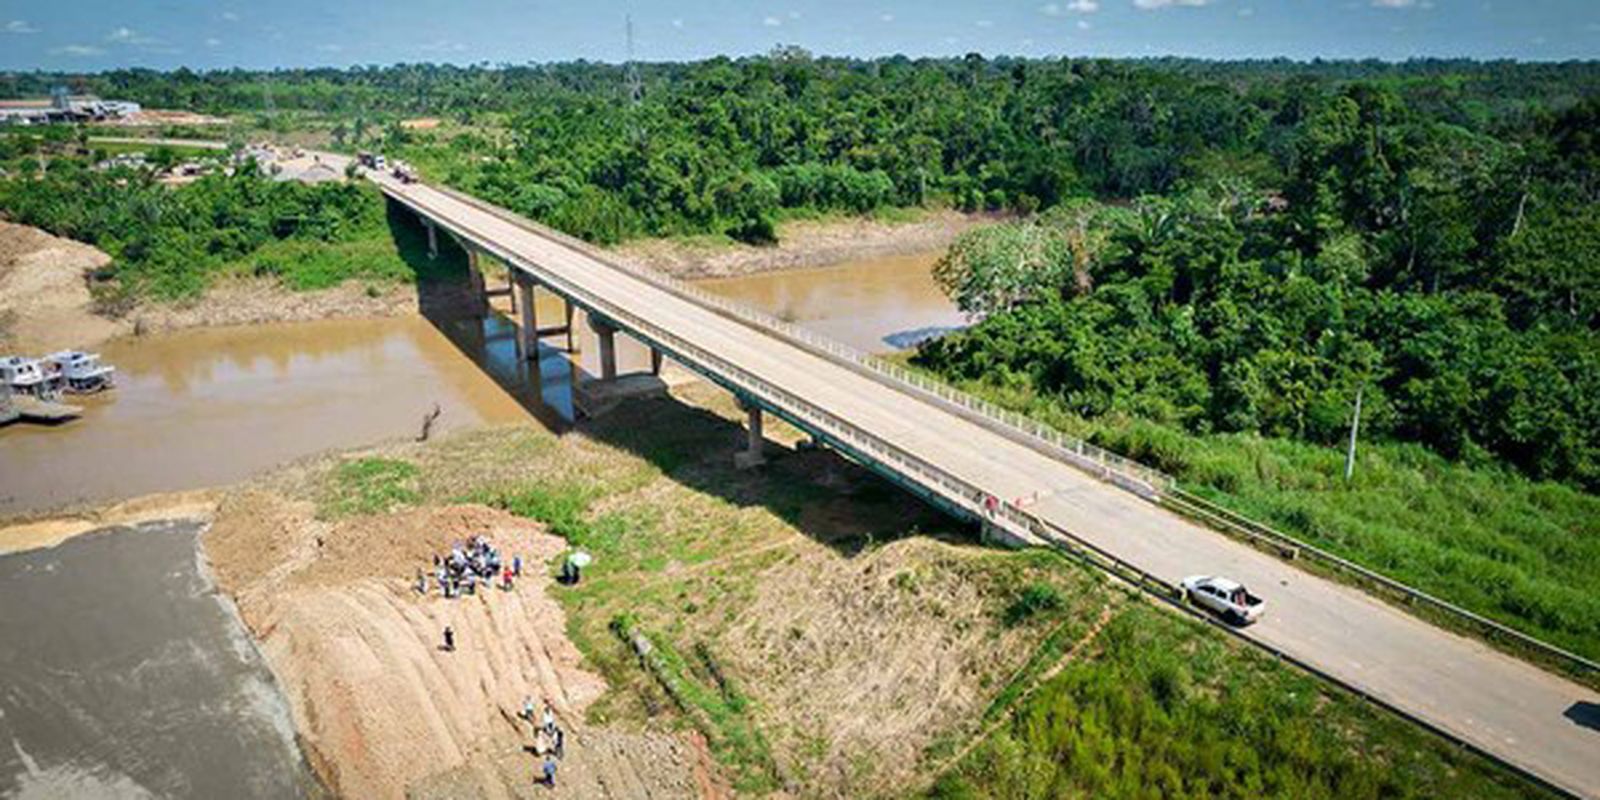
(331,48)
(20,26)
(1247,12)
(1084,6)
(78,50)
(441,46)
(213,42)
(1151,5)
(771,22)
(951,39)
(678,23)
(229,16)
(794,15)
(128,36)
(886,17)
(1084,25)
(984,23)
(1050,9)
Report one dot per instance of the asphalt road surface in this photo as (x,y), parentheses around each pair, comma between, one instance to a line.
(1525,715)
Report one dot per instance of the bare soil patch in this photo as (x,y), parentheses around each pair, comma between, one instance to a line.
(802,245)
(44,291)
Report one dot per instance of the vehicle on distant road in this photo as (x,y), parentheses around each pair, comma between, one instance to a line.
(1225,597)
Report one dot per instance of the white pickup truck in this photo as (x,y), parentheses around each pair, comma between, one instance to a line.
(1229,598)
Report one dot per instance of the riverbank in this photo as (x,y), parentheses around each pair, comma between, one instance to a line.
(804,244)
(46,303)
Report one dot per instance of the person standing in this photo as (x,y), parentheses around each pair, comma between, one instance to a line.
(449,639)
(550,770)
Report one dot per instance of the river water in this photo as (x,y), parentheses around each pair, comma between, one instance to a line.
(212,406)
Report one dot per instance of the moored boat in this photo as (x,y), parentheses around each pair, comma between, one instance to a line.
(79,372)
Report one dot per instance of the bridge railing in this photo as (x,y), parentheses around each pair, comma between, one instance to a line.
(1097,461)
(950,487)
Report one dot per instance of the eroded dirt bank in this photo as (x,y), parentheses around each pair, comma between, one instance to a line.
(45,303)
(803,244)
(382,710)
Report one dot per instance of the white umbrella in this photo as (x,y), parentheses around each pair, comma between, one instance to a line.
(580,559)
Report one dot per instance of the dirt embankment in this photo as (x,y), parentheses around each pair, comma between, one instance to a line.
(383,712)
(803,245)
(45,304)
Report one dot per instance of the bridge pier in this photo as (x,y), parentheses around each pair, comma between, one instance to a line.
(752,455)
(433,237)
(528,335)
(475,283)
(607,334)
(655,361)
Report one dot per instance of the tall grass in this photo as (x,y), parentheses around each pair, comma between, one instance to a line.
(1165,711)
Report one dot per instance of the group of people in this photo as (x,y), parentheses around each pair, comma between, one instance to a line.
(468,565)
(549,739)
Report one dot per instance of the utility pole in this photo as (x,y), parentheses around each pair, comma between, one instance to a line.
(635,85)
(1355,424)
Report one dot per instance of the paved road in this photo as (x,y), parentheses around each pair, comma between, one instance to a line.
(1527,716)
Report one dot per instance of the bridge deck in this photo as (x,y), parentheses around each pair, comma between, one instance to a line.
(1501,704)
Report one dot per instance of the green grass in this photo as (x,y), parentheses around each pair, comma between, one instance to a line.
(370,486)
(1166,709)
(1518,551)
(150,148)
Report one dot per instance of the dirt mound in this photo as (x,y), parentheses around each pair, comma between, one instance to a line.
(383,712)
(44,294)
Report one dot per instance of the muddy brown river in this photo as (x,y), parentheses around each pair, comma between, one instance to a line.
(212,406)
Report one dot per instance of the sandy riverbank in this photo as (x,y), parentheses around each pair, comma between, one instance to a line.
(803,244)
(45,303)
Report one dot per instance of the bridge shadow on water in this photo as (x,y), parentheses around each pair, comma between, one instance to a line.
(822,494)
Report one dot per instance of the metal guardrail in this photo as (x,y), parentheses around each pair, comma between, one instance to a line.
(1097,461)
(1192,505)
(956,490)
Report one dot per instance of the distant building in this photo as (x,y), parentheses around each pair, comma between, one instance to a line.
(63,107)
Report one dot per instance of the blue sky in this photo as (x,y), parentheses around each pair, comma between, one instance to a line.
(98,34)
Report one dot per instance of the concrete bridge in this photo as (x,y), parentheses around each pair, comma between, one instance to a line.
(1027,485)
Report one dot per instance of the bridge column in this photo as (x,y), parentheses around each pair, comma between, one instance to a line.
(572,341)
(511,283)
(528,336)
(655,361)
(433,238)
(751,456)
(475,284)
(607,334)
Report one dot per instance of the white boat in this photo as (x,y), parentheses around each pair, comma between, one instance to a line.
(79,372)
(27,376)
